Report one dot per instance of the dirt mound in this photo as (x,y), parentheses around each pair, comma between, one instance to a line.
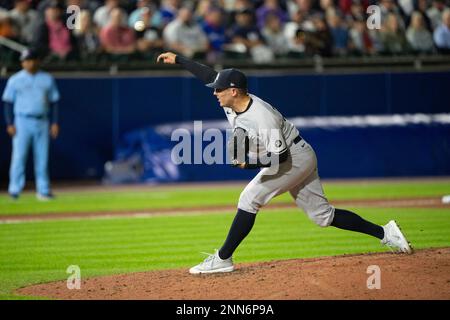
(423,275)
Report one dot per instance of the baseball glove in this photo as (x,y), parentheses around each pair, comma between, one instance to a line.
(238,147)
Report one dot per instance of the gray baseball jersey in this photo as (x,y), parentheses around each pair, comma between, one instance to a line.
(269,131)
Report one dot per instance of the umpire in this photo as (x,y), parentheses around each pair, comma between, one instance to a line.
(31,111)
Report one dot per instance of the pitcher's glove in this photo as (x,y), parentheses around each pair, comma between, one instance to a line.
(238,147)
(238,150)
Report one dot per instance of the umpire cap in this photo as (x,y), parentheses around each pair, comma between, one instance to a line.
(28,54)
(229,78)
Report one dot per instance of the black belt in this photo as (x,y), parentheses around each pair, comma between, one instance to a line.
(297,139)
(33,116)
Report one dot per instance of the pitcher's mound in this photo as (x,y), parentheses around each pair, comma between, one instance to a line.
(423,275)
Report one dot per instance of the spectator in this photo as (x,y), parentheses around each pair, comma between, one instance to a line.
(26,19)
(201,10)
(392,37)
(213,27)
(274,35)
(422,7)
(238,6)
(339,33)
(435,12)
(319,41)
(245,31)
(328,6)
(407,6)
(7,28)
(388,7)
(360,39)
(149,36)
(442,34)
(86,35)
(116,37)
(305,7)
(185,36)
(53,38)
(136,15)
(294,34)
(247,40)
(419,38)
(228,5)
(297,46)
(270,7)
(102,14)
(169,10)
(356,11)
(346,5)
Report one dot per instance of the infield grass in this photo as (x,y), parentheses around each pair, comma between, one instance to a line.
(182,197)
(36,252)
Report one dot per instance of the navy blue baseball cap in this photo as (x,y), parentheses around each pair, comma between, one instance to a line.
(28,54)
(229,78)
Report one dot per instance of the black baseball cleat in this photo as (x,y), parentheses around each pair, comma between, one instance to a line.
(45,197)
(14,196)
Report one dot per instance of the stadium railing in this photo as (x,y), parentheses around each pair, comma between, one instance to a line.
(316,64)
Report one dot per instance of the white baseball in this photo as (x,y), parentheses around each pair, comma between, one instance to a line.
(446,199)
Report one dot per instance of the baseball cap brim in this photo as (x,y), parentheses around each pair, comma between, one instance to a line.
(29,58)
(29,55)
(216,85)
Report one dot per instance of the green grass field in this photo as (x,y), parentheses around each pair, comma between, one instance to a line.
(36,252)
(107,201)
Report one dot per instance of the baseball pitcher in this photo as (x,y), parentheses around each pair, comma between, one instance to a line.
(264,139)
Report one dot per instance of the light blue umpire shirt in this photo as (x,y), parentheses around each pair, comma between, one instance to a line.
(31,96)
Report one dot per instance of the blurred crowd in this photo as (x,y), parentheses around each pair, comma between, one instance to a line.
(212,29)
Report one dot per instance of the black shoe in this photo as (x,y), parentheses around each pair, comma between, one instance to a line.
(45,197)
(14,196)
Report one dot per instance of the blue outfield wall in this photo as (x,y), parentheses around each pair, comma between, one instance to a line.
(374,146)
(96,112)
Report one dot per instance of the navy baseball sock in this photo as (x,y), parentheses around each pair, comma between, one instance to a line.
(241,226)
(348,220)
